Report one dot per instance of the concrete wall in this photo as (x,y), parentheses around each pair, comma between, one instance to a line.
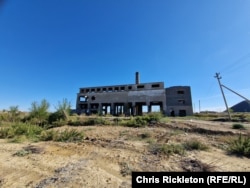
(179,101)
(131,99)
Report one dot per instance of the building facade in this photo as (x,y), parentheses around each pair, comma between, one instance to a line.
(135,99)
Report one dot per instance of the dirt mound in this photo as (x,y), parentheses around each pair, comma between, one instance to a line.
(108,154)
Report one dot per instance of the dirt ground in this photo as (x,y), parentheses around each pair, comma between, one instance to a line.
(108,154)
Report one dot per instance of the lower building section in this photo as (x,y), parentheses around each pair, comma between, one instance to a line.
(179,111)
(135,99)
(116,109)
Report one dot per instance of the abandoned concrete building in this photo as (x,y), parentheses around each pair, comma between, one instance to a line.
(135,99)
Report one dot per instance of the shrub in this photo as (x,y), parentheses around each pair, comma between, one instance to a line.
(14,114)
(63,109)
(76,122)
(59,123)
(39,112)
(47,135)
(68,135)
(21,129)
(6,132)
(4,116)
(89,121)
(240,146)
(167,149)
(22,153)
(238,126)
(28,150)
(154,116)
(27,129)
(139,121)
(145,135)
(195,145)
(125,169)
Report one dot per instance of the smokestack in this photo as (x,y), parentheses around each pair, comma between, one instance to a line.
(137,78)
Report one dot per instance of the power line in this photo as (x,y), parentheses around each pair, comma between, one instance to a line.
(237,64)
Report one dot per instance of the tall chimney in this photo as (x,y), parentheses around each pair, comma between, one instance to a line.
(137,78)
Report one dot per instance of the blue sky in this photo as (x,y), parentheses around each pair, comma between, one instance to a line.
(51,48)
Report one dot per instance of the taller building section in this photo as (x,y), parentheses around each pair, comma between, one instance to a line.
(131,99)
(179,101)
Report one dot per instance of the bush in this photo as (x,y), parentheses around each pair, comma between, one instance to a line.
(68,135)
(76,123)
(154,117)
(96,121)
(238,126)
(21,129)
(6,132)
(139,121)
(47,135)
(145,135)
(55,116)
(22,153)
(59,123)
(89,121)
(39,112)
(240,146)
(195,145)
(167,149)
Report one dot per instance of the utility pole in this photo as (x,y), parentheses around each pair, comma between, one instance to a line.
(217,75)
(199,106)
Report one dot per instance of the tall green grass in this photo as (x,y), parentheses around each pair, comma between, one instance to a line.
(240,146)
(67,135)
(19,132)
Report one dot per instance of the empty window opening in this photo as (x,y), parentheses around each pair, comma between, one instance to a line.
(110,89)
(144,108)
(83,106)
(155,85)
(172,113)
(93,90)
(87,90)
(181,101)
(104,89)
(106,109)
(129,87)
(82,90)
(155,108)
(119,108)
(98,89)
(140,86)
(83,98)
(180,92)
(140,108)
(109,110)
(182,113)
(122,88)
(116,89)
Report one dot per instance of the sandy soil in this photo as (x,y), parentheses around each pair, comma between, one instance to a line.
(109,154)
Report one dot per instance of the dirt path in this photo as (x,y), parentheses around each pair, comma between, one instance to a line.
(108,154)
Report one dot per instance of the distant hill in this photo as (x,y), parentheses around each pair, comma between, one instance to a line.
(243,106)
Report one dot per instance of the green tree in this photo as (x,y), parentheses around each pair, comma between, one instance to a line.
(63,108)
(39,112)
(13,113)
(62,112)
